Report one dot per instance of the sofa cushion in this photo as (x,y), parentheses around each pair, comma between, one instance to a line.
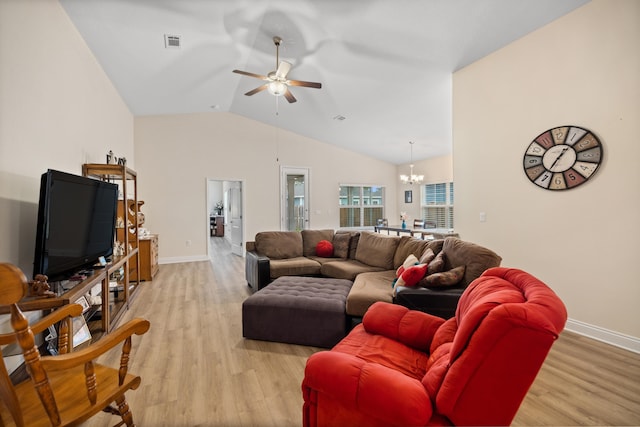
(476,258)
(321,260)
(437,264)
(444,279)
(324,249)
(377,250)
(427,256)
(346,269)
(408,245)
(311,238)
(279,244)
(341,245)
(353,244)
(412,275)
(298,266)
(408,262)
(369,288)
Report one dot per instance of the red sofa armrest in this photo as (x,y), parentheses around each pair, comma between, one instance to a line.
(369,388)
(412,328)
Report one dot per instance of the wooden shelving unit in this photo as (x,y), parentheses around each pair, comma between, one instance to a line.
(122,277)
(110,309)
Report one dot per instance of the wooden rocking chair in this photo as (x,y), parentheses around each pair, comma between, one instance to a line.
(53,395)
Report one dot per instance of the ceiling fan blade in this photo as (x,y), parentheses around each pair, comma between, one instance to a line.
(304,84)
(256,90)
(290,96)
(283,70)
(246,73)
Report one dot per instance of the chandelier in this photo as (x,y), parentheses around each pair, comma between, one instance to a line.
(411,178)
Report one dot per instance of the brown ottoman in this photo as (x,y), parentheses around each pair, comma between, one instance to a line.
(298,310)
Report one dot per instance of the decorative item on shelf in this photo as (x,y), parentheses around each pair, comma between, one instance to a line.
(131,204)
(39,287)
(403,217)
(219,208)
(120,222)
(113,160)
(411,178)
(118,249)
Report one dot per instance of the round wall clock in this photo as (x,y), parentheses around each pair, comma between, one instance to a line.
(562,158)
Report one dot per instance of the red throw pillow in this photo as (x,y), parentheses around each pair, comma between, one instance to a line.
(324,249)
(412,275)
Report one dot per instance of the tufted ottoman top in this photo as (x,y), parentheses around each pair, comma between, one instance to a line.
(315,293)
(298,310)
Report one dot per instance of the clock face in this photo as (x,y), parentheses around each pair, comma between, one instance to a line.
(562,158)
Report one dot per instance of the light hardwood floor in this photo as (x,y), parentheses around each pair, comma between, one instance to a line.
(197,370)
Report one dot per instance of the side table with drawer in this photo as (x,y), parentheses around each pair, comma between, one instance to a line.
(148,256)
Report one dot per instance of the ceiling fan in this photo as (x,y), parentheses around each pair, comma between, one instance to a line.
(277,82)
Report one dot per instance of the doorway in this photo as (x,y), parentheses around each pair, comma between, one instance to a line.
(225,205)
(294,196)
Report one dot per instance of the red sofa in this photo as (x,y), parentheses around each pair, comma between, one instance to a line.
(401,367)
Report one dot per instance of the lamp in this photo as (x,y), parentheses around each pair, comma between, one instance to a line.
(411,178)
(277,88)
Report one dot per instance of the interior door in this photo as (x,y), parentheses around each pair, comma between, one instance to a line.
(294,195)
(234,195)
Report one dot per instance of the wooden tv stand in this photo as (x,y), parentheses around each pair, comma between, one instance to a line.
(113,304)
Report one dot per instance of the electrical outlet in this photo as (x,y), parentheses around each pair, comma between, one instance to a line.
(483,217)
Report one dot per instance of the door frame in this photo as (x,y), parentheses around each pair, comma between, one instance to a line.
(243,211)
(294,170)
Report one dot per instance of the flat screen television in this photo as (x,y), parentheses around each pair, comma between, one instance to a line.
(76,223)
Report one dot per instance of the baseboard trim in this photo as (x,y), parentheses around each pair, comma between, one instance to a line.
(175,260)
(626,342)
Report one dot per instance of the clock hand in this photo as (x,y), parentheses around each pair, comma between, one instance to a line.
(558,158)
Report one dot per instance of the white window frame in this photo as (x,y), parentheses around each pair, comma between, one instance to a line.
(439,212)
(362,204)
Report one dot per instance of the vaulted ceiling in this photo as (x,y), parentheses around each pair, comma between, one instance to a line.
(385,65)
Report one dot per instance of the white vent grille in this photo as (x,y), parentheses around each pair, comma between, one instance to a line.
(171,41)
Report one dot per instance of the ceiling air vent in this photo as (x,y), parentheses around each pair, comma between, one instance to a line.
(171,41)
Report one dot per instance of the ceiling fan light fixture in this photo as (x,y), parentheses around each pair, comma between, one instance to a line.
(277,88)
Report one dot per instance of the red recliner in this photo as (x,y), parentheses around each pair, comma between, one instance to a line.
(408,368)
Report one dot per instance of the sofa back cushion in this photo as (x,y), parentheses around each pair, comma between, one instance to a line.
(311,238)
(377,250)
(279,244)
(409,245)
(341,242)
(476,258)
(353,244)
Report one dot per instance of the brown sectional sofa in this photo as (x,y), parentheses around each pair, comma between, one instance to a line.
(368,259)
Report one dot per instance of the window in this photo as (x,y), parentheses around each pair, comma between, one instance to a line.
(360,206)
(437,204)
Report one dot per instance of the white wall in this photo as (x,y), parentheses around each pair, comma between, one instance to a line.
(582,69)
(179,152)
(58,110)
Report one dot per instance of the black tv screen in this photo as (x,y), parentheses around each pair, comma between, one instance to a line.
(76,223)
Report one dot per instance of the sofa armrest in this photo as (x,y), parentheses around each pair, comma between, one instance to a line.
(257,270)
(370,388)
(441,302)
(412,328)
